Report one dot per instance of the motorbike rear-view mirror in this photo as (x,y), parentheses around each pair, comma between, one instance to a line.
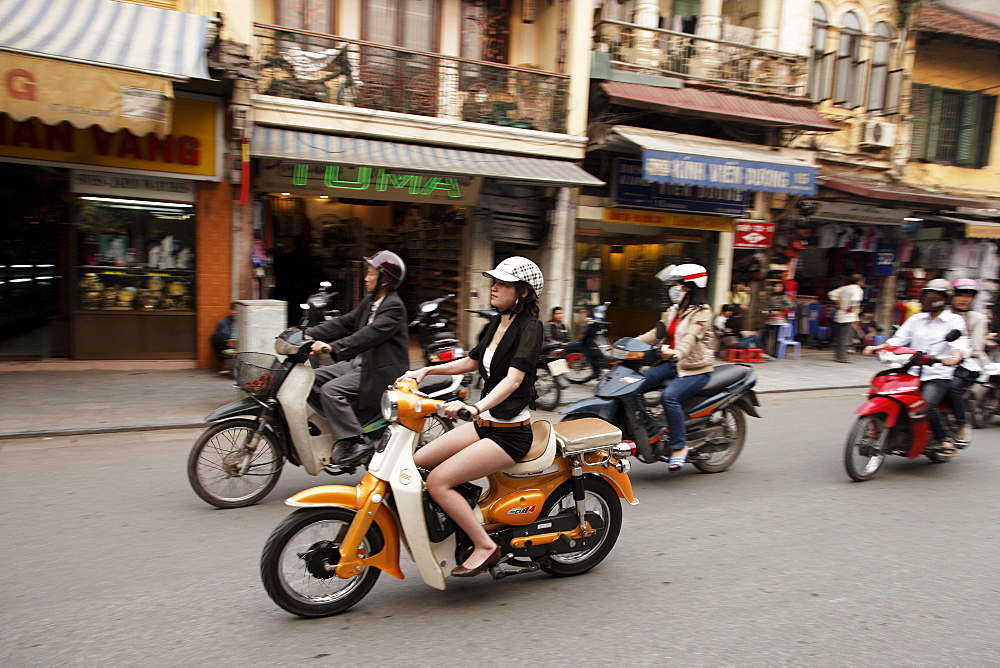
(953,335)
(661,329)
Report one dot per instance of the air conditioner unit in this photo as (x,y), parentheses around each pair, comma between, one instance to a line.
(880,134)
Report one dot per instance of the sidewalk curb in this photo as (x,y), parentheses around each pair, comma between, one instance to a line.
(89,431)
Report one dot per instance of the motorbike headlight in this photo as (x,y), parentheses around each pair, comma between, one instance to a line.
(289,341)
(619,354)
(389,405)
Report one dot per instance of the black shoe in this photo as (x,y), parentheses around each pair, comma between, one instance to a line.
(355,450)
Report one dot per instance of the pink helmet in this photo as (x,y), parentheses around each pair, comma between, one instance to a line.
(965,285)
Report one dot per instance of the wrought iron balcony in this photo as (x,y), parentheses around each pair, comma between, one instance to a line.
(323,68)
(678,54)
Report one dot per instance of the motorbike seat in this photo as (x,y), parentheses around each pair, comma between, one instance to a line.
(724,376)
(540,455)
(432,384)
(587,434)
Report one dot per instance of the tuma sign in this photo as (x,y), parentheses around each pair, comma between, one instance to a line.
(359,182)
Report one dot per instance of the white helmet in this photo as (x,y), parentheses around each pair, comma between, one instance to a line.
(937,285)
(518,268)
(684,273)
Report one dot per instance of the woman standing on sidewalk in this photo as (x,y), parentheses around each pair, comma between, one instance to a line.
(775,307)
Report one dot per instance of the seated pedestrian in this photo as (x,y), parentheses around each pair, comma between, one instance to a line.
(867,330)
(555,328)
(223,339)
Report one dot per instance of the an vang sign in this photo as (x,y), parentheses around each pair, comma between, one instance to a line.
(362,182)
(702,170)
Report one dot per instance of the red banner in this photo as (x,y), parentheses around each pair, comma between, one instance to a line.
(754,235)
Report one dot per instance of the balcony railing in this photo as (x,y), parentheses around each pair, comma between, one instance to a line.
(321,68)
(679,54)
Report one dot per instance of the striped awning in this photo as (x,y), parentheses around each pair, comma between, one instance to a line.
(119,35)
(285,144)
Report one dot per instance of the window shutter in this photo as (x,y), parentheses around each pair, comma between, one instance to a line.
(933,117)
(918,110)
(969,130)
(892,89)
(856,94)
(988,115)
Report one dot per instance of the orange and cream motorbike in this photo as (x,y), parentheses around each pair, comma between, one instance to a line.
(557,510)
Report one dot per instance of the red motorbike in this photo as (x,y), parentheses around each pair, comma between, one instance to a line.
(894,419)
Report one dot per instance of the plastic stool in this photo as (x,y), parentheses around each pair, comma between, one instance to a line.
(784,340)
(745,355)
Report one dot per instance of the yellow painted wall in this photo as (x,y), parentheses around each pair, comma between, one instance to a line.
(959,67)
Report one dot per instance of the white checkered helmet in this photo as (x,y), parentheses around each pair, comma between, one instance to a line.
(517,268)
(684,273)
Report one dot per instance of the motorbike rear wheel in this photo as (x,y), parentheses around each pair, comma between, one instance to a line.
(734,424)
(217,467)
(866,447)
(547,388)
(580,370)
(600,498)
(295,565)
(984,408)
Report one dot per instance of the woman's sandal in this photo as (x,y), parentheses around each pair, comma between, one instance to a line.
(946,449)
(677,463)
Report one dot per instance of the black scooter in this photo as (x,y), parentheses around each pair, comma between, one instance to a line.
(716,422)
(438,343)
(589,355)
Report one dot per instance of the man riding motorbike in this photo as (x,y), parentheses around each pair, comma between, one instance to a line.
(371,348)
(687,347)
(926,332)
(977,324)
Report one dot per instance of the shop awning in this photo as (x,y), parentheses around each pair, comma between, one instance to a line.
(97,62)
(310,147)
(119,35)
(879,190)
(669,157)
(722,106)
(974,229)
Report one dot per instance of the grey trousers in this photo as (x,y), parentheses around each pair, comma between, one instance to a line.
(338,386)
(844,331)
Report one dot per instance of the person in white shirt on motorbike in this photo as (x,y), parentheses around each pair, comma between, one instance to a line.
(926,332)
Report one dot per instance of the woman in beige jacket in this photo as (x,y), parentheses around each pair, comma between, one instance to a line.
(687,347)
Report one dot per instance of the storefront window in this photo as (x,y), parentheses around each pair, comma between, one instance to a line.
(134,255)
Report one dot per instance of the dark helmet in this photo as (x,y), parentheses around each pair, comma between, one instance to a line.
(391,268)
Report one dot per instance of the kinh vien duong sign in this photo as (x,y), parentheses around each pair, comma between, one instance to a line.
(363,182)
(701,170)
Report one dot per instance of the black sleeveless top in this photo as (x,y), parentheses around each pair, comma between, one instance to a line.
(520,348)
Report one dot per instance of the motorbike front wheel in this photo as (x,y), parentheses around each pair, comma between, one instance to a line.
(599,498)
(866,447)
(547,388)
(983,408)
(299,558)
(226,473)
(734,426)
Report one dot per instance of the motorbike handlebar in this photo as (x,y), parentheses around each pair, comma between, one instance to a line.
(465,415)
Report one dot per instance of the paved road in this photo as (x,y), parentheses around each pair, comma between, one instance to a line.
(109,558)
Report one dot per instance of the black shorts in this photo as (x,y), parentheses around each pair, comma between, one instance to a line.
(515,441)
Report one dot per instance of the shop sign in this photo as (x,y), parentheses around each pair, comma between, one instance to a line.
(84,95)
(664,219)
(630,189)
(131,186)
(987,231)
(754,234)
(885,260)
(848,212)
(702,170)
(359,182)
(189,149)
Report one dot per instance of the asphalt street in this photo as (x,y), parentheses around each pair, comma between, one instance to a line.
(110,558)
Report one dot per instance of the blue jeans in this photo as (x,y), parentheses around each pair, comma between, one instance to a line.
(679,389)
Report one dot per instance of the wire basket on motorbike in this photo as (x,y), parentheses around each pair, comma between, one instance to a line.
(259,374)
